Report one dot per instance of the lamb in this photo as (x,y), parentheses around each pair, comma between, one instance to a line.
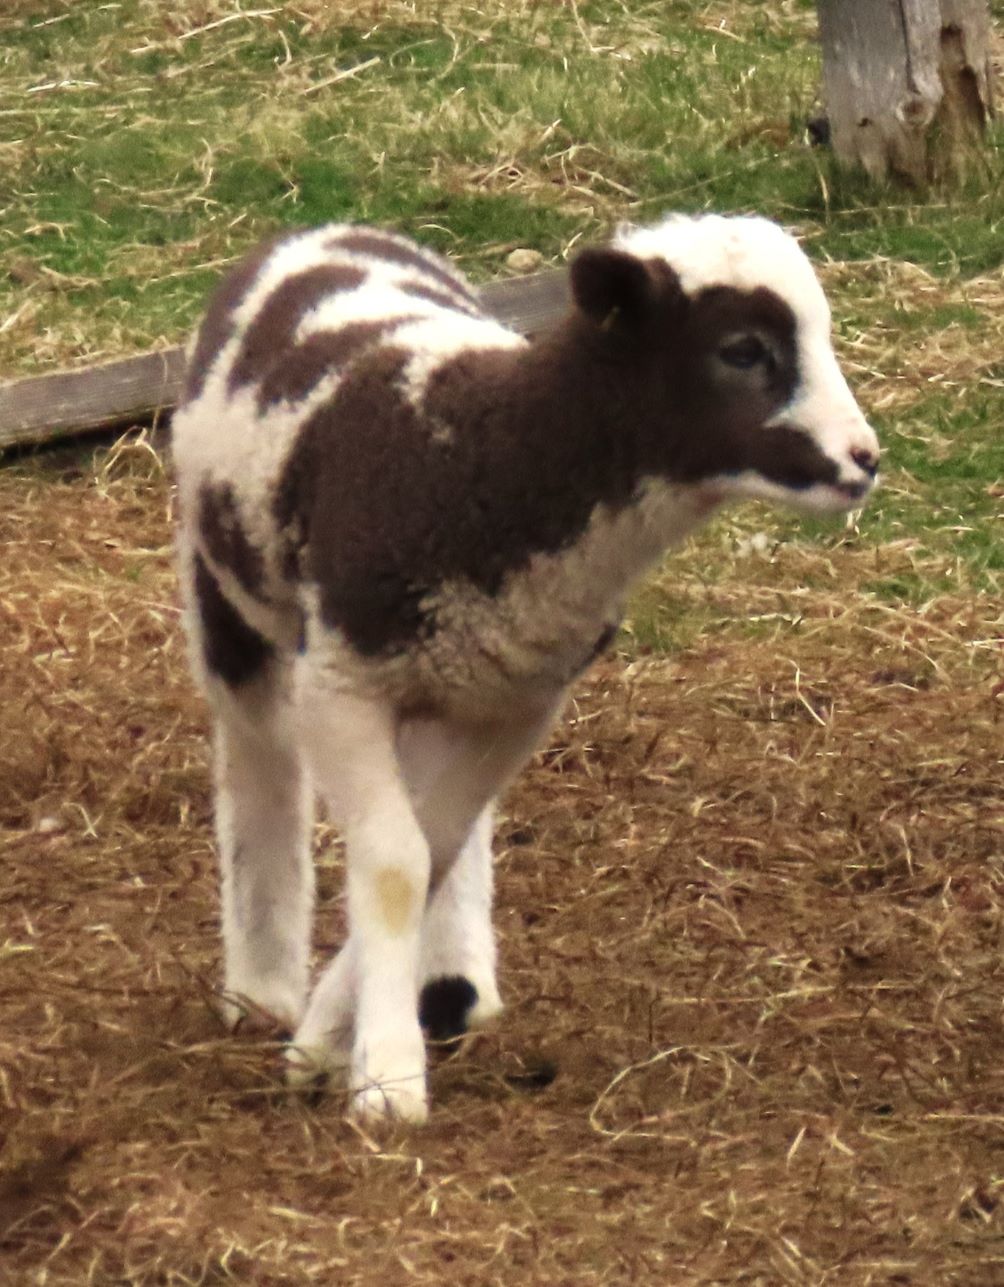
(405,530)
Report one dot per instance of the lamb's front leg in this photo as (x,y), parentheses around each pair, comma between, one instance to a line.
(454,772)
(350,747)
(458,942)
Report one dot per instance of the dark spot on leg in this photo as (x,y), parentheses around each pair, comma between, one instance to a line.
(444,1005)
(233,650)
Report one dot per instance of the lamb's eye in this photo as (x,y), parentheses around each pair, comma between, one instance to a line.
(744,353)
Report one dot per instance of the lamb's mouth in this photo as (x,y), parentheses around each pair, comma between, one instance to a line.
(855,491)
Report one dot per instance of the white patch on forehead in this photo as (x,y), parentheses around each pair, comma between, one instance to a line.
(742,251)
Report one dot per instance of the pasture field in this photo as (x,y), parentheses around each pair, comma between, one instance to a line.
(749,897)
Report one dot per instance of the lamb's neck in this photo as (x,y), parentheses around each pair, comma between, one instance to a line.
(569,436)
(594,574)
(575,408)
(582,437)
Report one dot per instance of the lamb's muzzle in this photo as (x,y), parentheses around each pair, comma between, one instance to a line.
(406,530)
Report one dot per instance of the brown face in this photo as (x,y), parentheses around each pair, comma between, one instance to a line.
(737,396)
(740,371)
(740,363)
(723,365)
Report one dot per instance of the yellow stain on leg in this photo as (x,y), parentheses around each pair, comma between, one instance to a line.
(396,897)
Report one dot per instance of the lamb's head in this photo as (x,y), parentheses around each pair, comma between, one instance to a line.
(727,328)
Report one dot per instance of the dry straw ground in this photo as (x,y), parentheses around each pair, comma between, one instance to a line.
(749,908)
(750,915)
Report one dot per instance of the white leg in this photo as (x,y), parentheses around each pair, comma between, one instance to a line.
(350,747)
(411,801)
(263,810)
(457,967)
(457,952)
(263,805)
(322,1047)
(458,942)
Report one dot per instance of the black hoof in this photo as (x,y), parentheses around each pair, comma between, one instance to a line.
(444,1005)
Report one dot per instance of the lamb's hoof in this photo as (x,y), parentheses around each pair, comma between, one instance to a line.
(387,1103)
(239,1013)
(450,1006)
(488,1005)
(310,1068)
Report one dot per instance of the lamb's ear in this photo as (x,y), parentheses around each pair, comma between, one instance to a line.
(608,283)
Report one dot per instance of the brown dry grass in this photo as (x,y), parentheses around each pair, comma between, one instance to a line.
(749,908)
(906,354)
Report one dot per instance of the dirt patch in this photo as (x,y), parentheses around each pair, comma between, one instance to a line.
(749,905)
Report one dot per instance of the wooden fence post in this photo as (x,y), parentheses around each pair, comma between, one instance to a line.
(908,85)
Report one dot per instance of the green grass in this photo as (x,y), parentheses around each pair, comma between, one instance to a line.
(142,150)
(124,131)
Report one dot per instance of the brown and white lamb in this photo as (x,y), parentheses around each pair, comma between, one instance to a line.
(406,530)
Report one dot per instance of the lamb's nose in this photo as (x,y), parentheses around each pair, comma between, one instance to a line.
(866,460)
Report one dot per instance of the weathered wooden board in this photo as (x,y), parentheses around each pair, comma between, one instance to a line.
(528,304)
(908,85)
(46,408)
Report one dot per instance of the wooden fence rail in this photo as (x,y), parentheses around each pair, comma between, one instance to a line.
(132,390)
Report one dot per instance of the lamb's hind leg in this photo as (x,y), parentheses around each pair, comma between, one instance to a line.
(263,812)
